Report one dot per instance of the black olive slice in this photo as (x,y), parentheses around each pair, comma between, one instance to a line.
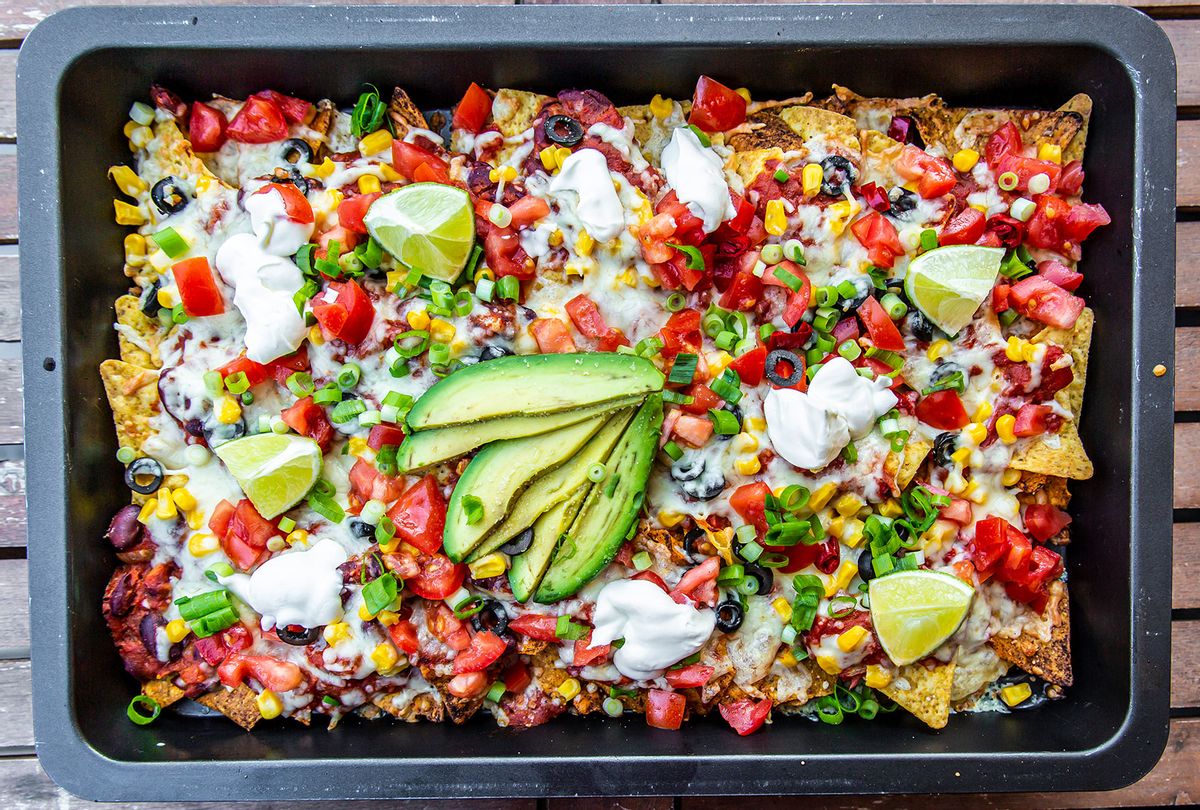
(729,616)
(902,201)
(688,468)
(296,635)
(492,616)
(764,577)
(838,175)
(563,130)
(945,444)
(493,352)
(150,305)
(518,544)
(787,358)
(144,475)
(360,529)
(169,196)
(690,540)
(866,564)
(296,150)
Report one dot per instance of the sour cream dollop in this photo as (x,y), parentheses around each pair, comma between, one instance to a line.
(696,175)
(300,587)
(585,186)
(810,428)
(658,632)
(277,233)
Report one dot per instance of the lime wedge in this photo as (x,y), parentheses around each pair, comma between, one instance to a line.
(427,226)
(949,283)
(915,611)
(275,471)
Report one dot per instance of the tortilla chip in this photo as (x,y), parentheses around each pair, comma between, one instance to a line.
(514,111)
(652,133)
(971,680)
(137,335)
(133,396)
(803,683)
(812,122)
(1049,660)
(914,456)
(321,126)
(162,692)
(873,113)
(765,131)
(751,163)
(174,156)
(955,128)
(924,692)
(411,708)
(1077,342)
(1082,105)
(404,114)
(777,104)
(1039,488)
(238,704)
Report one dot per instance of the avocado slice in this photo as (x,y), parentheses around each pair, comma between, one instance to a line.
(429,447)
(530,385)
(497,475)
(610,510)
(555,486)
(529,566)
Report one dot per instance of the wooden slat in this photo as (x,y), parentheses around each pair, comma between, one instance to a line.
(1187,180)
(8,95)
(1187,352)
(1187,471)
(1185,39)
(10,295)
(1187,272)
(8,198)
(1161,6)
(625,803)
(16,711)
(12,505)
(14,606)
(12,420)
(1186,567)
(1185,663)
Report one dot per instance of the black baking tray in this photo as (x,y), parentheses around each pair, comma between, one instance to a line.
(80,70)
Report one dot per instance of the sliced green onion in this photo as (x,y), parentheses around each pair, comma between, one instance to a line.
(613,707)
(369,114)
(683,369)
(642,560)
(221,569)
(824,343)
(746,534)
(330,701)
(170,242)
(847,290)
(126,455)
(369,254)
(597,473)
(468,607)
(344,411)
(892,360)
(1007,317)
(700,136)
(676,398)
(464,302)
(728,386)
(413,278)
(439,354)
(473,508)
(385,530)
(178,315)
(326,508)
(850,350)
(929,239)
(850,453)
(566,629)
(327,394)
(766,330)
(731,573)
(747,586)
(695,259)
(379,593)
(349,375)
(675,302)
(143,710)
(793,250)
(300,383)
(485,289)
(1008,181)
(781,175)
(725,340)
(648,347)
(193,607)
(793,283)
(724,422)
(825,296)
(411,343)
(829,710)
(954,381)
(713,322)
(893,306)
(673,450)
(247,398)
(812,370)
(794,498)
(495,692)
(509,288)
(751,552)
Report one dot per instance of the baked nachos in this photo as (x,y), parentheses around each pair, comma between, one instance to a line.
(547,405)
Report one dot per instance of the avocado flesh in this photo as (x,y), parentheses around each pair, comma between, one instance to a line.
(430,447)
(610,510)
(531,385)
(555,486)
(499,472)
(529,566)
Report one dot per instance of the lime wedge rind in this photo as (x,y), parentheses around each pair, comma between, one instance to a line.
(274,470)
(948,284)
(915,612)
(429,226)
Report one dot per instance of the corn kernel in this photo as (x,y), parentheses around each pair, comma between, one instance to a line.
(668,519)
(389,174)
(851,638)
(661,107)
(184,499)
(937,350)
(976,494)
(775,220)
(385,657)
(956,484)
(877,676)
(269,704)
(1010,477)
(718,362)
(840,581)
(783,607)
(628,278)
(747,465)
(127,180)
(1030,352)
(441,331)
(228,410)
(549,158)
(177,630)
(745,443)
(195,520)
(369,184)
(129,127)
(1012,349)
(164,297)
(127,214)
(982,412)
(852,534)
(365,614)
(491,565)
(938,535)
(555,238)
(976,432)
(848,505)
(135,249)
(375,143)
(756,423)
(140,136)
(201,545)
(891,508)
(961,456)
(569,688)
(1051,152)
(315,336)
(965,159)
(561,154)
(203,183)
(297,537)
(811,178)
(1004,428)
(822,496)
(584,244)
(166,505)
(787,658)
(147,510)
(828,663)
(336,632)
(1016,693)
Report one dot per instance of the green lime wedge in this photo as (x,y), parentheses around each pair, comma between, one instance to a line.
(275,471)
(948,284)
(427,226)
(915,611)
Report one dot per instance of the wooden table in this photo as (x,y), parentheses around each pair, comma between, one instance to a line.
(1176,778)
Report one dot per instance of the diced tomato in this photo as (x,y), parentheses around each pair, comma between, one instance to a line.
(958,511)
(283,367)
(875,196)
(552,336)
(1043,521)
(528,210)
(420,516)
(1004,141)
(1032,419)
(404,635)
(468,685)
(1071,182)
(751,366)
(1044,228)
(245,538)
(690,676)
(501,247)
(650,576)
(715,107)
(745,716)
(695,577)
(1060,274)
(351,211)
(296,110)
(846,329)
(308,419)
(473,110)
(295,205)
(431,173)
(206,128)
(384,434)
(797,301)
(934,176)
(256,373)
(516,678)
(1028,584)
(438,578)
(964,228)
(878,235)
(1083,219)
(749,501)
(743,218)
(447,628)
(693,430)
(743,293)
(1000,298)
(990,543)
(1038,298)
(1025,168)
(879,326)
(1013,563)
(537,626)
(218,521)
(345,238)
(408,157)
(943,410)
(486,648)
(665,709)
(587,319)
(681,333)
(212,650)
(198,287)
(276,675)
(349,317)
(586,654)
(369,484)
(258,121)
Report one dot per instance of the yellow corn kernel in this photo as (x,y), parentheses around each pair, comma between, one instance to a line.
(395,280)
(325,168)
(629,278)
(961,456)
(507,173)
(822,496)
(965,159)
(561,154)
(745,442)
(375,143)
(584,244)
(127,214)
(877,676)
(201,545)
(783,607)
(135,248)
(457,347)
(389,174)
(140,136)
(852,535)
(719,362)
(787,659)
(297,536)
(147,510)
(938,535)
(937,350)
(166,505)
(661,107)
(569,688)
(848,505)
(668,519)
(555,238)
(851,638)
(1010,477)
(775,220)
(388,617)
(365,614)
(1030,352)
(840,581)
(828,663)
(127,180)
(811,178)
(336,632)
(368,184)
(956,484)
(982,412)
(441,331)
(1012,350)
(177,630)
(165,297)
(269,704)
(891,508)
(1051,152)
(976,432)
(980,207)
(549,158)
(756,423)
(1016,693)
(385,657)
(203,183)
(357,446)
(315,336)
(491,565)
(418,319)
(1004,428)
(129,127)
(183,499)
(747,465)
(228,410)
(195,519)
(976,494)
